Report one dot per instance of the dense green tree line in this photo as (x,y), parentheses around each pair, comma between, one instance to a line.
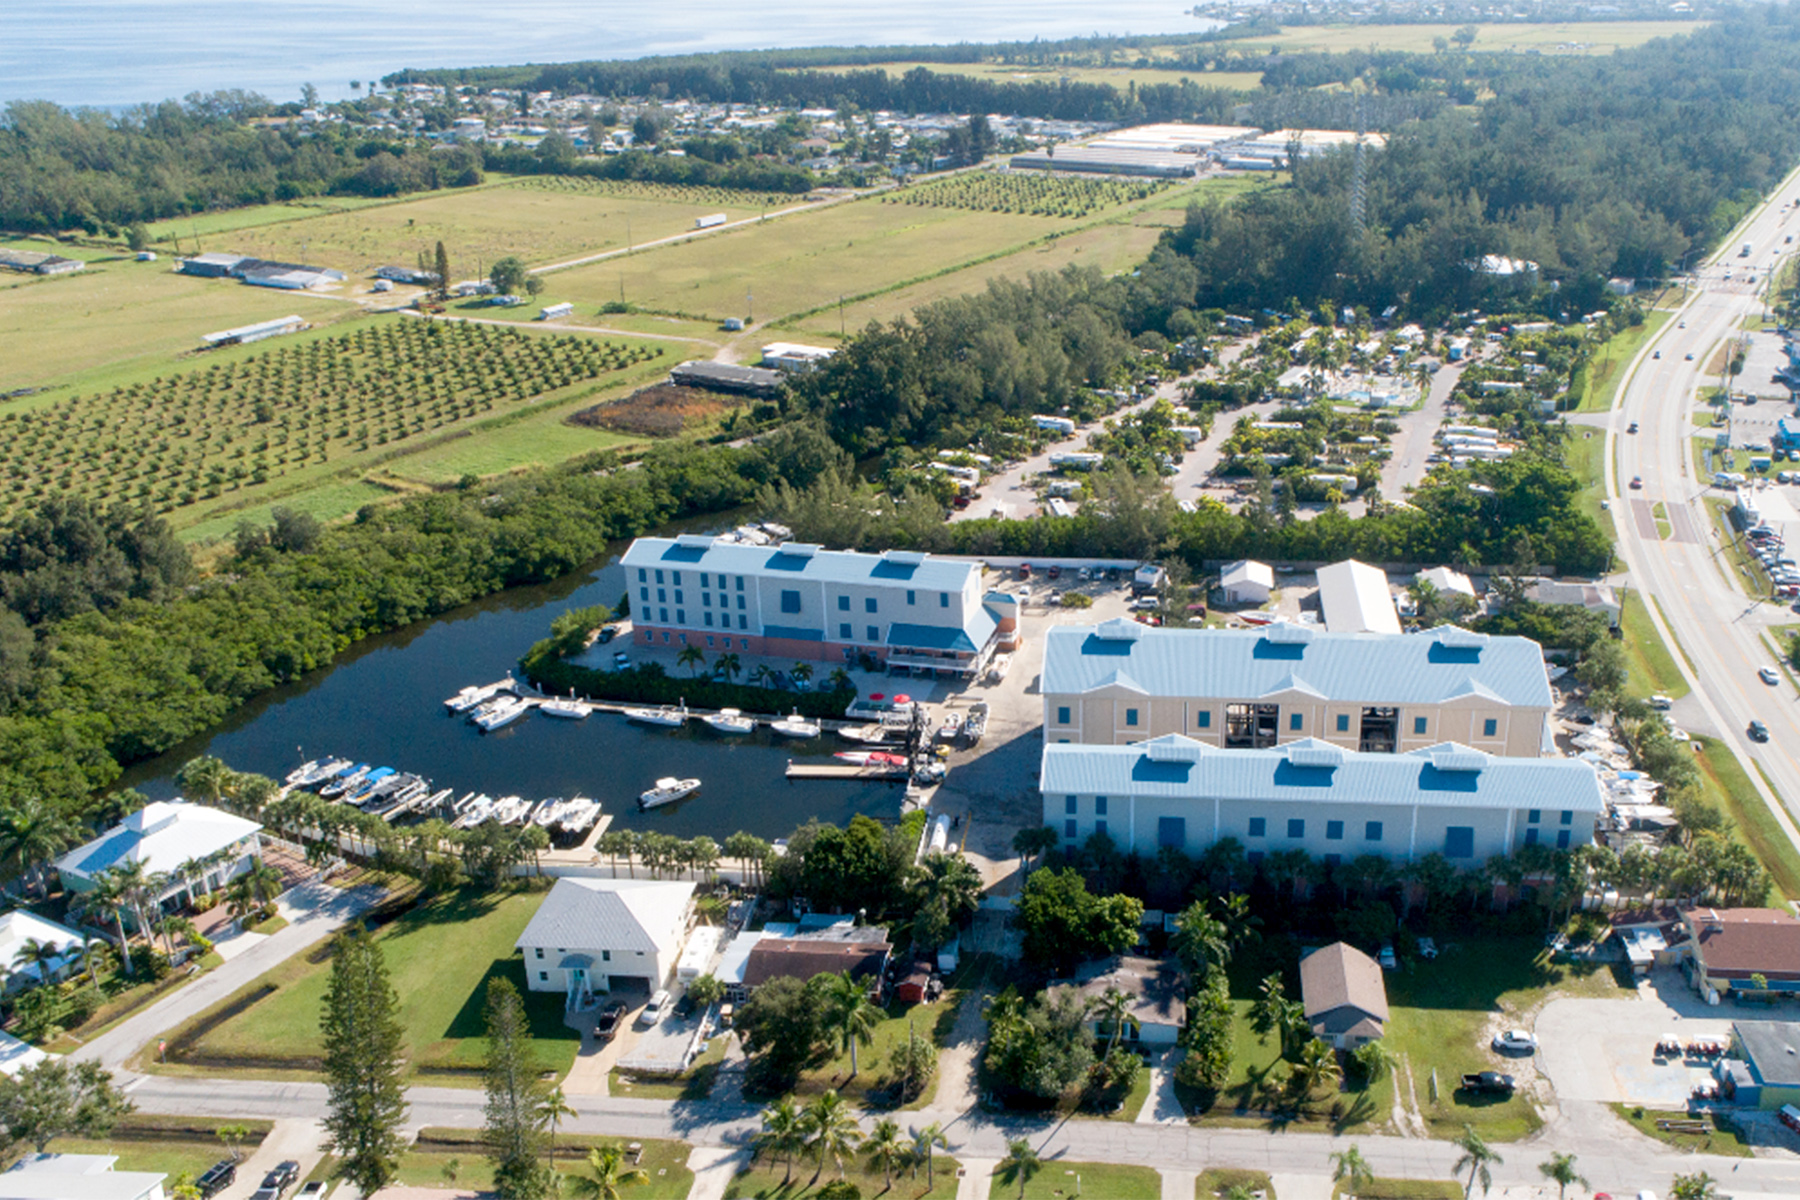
(692,170)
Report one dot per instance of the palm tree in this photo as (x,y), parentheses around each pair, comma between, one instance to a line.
(109,896)
(761,676)
(31,834)
(848,1011)
(551,1110)
(728,665)
(801,674)
(926,1140)
(885,1150)
(1478,1158)
(691,657)
(607,1175)
(188,872)
(1351,1169)
(257,886)
(1114,1012)
(839,679)
(1694,1187)
(831,1130)
(1021,1162)
(1200,938)
(783,1134)
(1560,1170)
(205,779)
(43,959)
(1374,1060)
(1317,1064)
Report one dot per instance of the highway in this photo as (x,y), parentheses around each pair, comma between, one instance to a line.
(1718,627)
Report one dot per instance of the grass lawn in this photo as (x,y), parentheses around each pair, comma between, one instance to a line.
(1117,77)
(931,1022)
(440,956)
(763,1181)
(1725,783)
(1057,1180)
(1586,457)
(231,220)
(1440,1011)
(424,1163)
(1722,1140)
(1406,1189)
(169,1144)
(1606,369)
(1255,1096)
(1576,37)
(1652,667)
(1214,1181)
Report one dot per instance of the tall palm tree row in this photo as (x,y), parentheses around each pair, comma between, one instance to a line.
(831,1130)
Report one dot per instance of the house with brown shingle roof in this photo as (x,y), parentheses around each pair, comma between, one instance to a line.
(1345,1000)
(805,956)
(1726,946)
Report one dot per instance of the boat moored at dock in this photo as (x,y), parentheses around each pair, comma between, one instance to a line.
(729,720)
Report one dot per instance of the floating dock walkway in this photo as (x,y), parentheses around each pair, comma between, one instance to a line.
(892,774)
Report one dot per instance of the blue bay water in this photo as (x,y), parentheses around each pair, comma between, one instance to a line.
(120,52)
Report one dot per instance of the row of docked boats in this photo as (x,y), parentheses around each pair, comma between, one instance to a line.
(553,815)
(392,794)
(728,721)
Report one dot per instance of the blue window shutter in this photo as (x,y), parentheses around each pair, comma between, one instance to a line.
(1372,831)
(1062,715)
(1459,841)
(1171,831)
(1343,723)
(1296,827)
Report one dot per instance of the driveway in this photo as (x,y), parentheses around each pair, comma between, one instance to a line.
(1604,1050)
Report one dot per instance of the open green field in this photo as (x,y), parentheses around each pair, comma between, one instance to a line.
(120,320)
(1117,77)
(1056,1180)
(1575,37)
(423,1163)
(190,231)
(541,220)
(1725,783)
(440,956)
(797,263)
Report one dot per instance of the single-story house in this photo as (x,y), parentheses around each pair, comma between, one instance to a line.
(78,1177)
(15,1055)
(18,927)
(1342,992)
(606,935)
(1247,582)
(1727,946)
(1447,581)
(167,836)
(1769,1076)
(1595,597)
(801,953)
(1155,987)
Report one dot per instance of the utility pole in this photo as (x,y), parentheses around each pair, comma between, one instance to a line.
(840,314)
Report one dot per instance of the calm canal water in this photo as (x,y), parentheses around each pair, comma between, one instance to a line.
(383,703)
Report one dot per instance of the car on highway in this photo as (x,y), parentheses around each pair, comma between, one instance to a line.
(1759,732)
(1661,702)
(1517,1040)
(1768,675)
(1631,428)
(1690,357)
(1637,482)
(1681,325)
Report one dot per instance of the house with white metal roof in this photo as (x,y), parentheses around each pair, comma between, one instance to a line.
(1355,599)
(1310,795)
(799,601)
(1247,582)
(1121,681)
(606,935)
(166,836)
(18,927)
(77,1177)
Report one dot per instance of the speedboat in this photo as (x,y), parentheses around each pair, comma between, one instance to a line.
(299,775)
(479,810)
(511,810)
(795,726)
(668,790)
(931,772)
(871,758)
(579,814)
(951,728)
(504,712)
(667,716)
(730,720)
(370,782)
(868,735)
(352,777)
(568,707)
(976,723)
(549,812)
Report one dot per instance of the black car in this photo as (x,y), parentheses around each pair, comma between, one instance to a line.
(218,1177)
(1759,732)
(283,1176)
(608,1024)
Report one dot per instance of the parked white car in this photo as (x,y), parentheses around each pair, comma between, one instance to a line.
(1517,1040)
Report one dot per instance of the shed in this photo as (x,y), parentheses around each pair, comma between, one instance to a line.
(913,985)
(1247,582)
(1446,581)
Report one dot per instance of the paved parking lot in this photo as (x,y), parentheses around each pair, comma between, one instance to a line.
(1604,1050)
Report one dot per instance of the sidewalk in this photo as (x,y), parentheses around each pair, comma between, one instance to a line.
(314,912)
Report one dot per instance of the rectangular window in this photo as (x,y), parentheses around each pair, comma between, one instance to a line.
(1533,816)
(704,578)
(843,604)
(1562,839)
(1100,827)
(740,583)
(705,599)
(1334,831)
(1203,719)
(743,623)
(1069,829)
(1380,733)
(676,577)
(664,617)
(1296,722)
(543,976)
(1343,722)
(709,637)
(740,604)
(681,616)
(1062,714)
(540,952)
(707,617)
(644,594)
(1372,831)
(1568,817)
(1250,726)
(1490,727)
(1131,716)
(1531,837)
(643,575)
(606,956)
(943,599)
(1071,806)
(1419,726)
(909,596)
(1171,831)
(869,604)
(1099,806)
(678,597)
(662,595)
(1258,826)
(790,601)
(1459,841)
(1296,827)
(844,633)
(874,633)
(659,577)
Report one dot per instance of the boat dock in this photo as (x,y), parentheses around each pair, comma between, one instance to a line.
(797,770)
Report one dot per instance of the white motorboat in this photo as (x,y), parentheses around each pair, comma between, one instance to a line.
(579,814)
(549,812)
(729,720)
(511,810)
(668,789)
(299,774)
(976,724)
(474,697)
(951,728)
(568,707)
(868,735)
(795,726)
(666,717)
(479,810)
(504,712)
(929,773)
